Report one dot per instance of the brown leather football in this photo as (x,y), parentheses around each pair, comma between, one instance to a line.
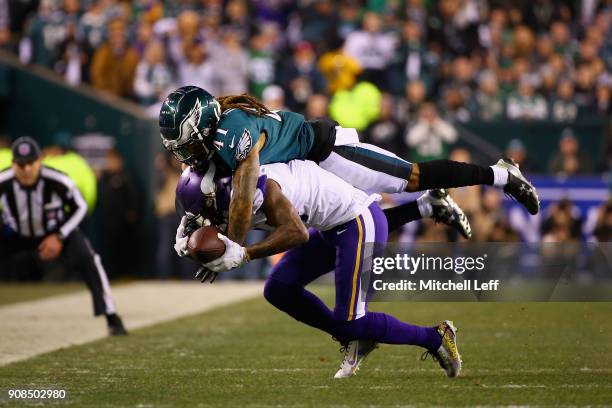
(204,245)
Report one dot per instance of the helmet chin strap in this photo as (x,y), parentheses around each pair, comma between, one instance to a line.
(209,152)
(207,185)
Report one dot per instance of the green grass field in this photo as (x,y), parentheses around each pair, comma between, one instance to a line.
(249,354)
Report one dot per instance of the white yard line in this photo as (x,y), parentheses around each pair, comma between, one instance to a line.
(31,328)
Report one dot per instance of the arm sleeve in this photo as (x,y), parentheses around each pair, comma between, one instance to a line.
(73,198)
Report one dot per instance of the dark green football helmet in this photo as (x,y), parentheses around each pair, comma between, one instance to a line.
(187,121)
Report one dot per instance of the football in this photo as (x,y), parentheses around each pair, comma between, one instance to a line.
(204,245)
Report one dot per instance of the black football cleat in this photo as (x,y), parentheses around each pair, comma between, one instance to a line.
(115,326)
(446,211)
(518,188)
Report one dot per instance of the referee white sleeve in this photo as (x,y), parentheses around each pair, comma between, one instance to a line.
(72,196)
(76,218)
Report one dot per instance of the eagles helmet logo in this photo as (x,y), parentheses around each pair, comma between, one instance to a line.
(244,145)
(190,123)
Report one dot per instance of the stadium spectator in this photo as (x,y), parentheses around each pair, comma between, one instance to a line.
(488,103)
(490,223)
(372,48)
(454,106)
(415,11)
(430,137)
(44,34)
(563,223)
(462,78)
(562,106)
(230,63)
(416,96)
(526,104)
(301,76)
(72,57)
(411,62)
(339,69)
(585,82)
(182,32)
(569,160)
(429,231)
(114,63)
(261,59)
(453,27)
(349,19)
(237,18)
(120,208)
(602,232)
(386,132)
(92,26)
(274,97)
(153,75)
(168,265)
(318,24)
(316,107)
(601,105)
(357,107)
(516,151)
(197,67)
(5,23)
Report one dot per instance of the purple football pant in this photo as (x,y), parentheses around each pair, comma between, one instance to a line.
(344,250)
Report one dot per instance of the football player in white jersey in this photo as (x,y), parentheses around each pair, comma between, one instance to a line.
(346,227)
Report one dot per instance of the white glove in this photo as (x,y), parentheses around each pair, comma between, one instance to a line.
(180,244)
(233,257)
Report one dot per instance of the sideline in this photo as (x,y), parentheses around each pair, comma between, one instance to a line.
(35,327)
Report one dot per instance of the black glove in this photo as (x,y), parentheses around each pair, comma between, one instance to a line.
(204,274)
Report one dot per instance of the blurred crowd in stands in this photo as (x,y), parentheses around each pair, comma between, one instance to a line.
(476,59)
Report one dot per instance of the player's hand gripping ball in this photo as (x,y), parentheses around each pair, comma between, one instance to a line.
(204,244)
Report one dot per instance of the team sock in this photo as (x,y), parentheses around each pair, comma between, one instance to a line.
(384,328)
(500,176)
(449,174)
(402,214)
(307,308)
(425,208)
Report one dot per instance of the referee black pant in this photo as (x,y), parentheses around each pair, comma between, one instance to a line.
(19,260)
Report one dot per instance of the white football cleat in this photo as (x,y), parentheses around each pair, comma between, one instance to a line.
(354,353)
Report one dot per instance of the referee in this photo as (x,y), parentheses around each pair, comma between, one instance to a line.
(41,210)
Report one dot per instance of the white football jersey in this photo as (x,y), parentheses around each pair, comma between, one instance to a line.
(322,199)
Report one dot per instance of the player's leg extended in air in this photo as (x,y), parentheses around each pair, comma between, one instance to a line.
(373,169)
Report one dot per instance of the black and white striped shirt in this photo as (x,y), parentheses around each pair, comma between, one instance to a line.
(52,205)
